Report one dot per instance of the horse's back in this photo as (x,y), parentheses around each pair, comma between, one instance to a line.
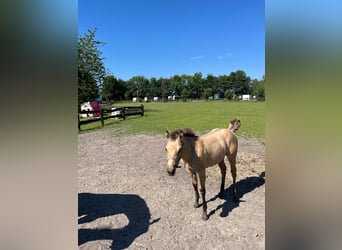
(219,135)
(217,144)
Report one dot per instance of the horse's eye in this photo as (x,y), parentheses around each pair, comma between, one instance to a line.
(165,150)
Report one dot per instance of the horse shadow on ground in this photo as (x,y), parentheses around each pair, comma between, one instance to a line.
(243,187)
(95,206)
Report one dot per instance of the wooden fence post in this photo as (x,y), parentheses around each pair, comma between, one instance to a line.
(142,110)
(123,113)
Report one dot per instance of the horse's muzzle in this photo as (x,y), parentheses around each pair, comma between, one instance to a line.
(171,172)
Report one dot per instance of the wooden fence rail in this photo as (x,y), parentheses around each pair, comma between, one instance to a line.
(121,112)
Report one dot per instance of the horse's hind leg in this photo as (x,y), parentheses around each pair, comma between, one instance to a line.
(223,169)
(232,161)
(202,190)
(194,184)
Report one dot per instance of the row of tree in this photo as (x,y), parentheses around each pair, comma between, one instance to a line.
(183,86)
(94,82)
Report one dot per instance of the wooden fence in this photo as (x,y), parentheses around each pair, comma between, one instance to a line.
(120,112)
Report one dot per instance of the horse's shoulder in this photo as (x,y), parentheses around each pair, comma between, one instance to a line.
(199,147)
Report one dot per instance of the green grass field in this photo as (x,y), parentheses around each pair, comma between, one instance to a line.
(201,116)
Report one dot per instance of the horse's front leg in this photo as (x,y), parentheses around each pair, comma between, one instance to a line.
(194,184)
(202,190)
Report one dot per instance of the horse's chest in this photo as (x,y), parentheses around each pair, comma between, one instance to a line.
(193,168)
(196,164)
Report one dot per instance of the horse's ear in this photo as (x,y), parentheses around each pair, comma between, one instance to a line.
(233,121)
(231,124)
(238,122)
(167,135)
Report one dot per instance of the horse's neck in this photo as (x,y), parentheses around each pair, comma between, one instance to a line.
(231,128)
(192,150)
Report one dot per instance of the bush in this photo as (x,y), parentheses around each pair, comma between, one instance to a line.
(207,93)
(229,94)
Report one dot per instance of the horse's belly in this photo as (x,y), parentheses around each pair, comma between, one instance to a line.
(214,159)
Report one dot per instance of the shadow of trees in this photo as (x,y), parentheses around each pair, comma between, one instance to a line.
(94,206)
(243,187)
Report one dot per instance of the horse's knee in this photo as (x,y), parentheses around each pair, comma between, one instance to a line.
(194,183)
(202,191)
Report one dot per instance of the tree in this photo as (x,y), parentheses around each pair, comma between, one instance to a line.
(207,92)
(138,86)
(119,90)
(87,88)
(91,71)
(197,85)
(176,85)
(210,81)
(229,94)
(187,87)
(113,89)
(165,87)
(108,88)
(240,82)
(258,89)
(155,87)
(224,82)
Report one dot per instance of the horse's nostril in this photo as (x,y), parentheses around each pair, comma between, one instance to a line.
(172,172)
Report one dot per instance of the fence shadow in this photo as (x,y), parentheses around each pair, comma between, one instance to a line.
(243,187)
(94,206)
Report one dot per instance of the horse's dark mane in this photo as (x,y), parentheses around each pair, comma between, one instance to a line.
(186,132)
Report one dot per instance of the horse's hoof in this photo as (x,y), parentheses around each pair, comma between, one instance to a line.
(204,217)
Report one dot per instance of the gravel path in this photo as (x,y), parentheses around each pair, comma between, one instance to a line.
(127,200)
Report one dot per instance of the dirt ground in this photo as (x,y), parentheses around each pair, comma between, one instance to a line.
(127,200)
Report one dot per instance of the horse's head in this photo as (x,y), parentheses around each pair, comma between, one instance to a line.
(234,125)
(173,150)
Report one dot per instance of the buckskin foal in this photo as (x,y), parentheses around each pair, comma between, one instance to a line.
(200,152)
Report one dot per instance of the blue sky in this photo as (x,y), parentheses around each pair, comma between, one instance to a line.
(164,38)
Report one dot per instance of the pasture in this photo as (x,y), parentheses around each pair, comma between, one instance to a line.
(202,116)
